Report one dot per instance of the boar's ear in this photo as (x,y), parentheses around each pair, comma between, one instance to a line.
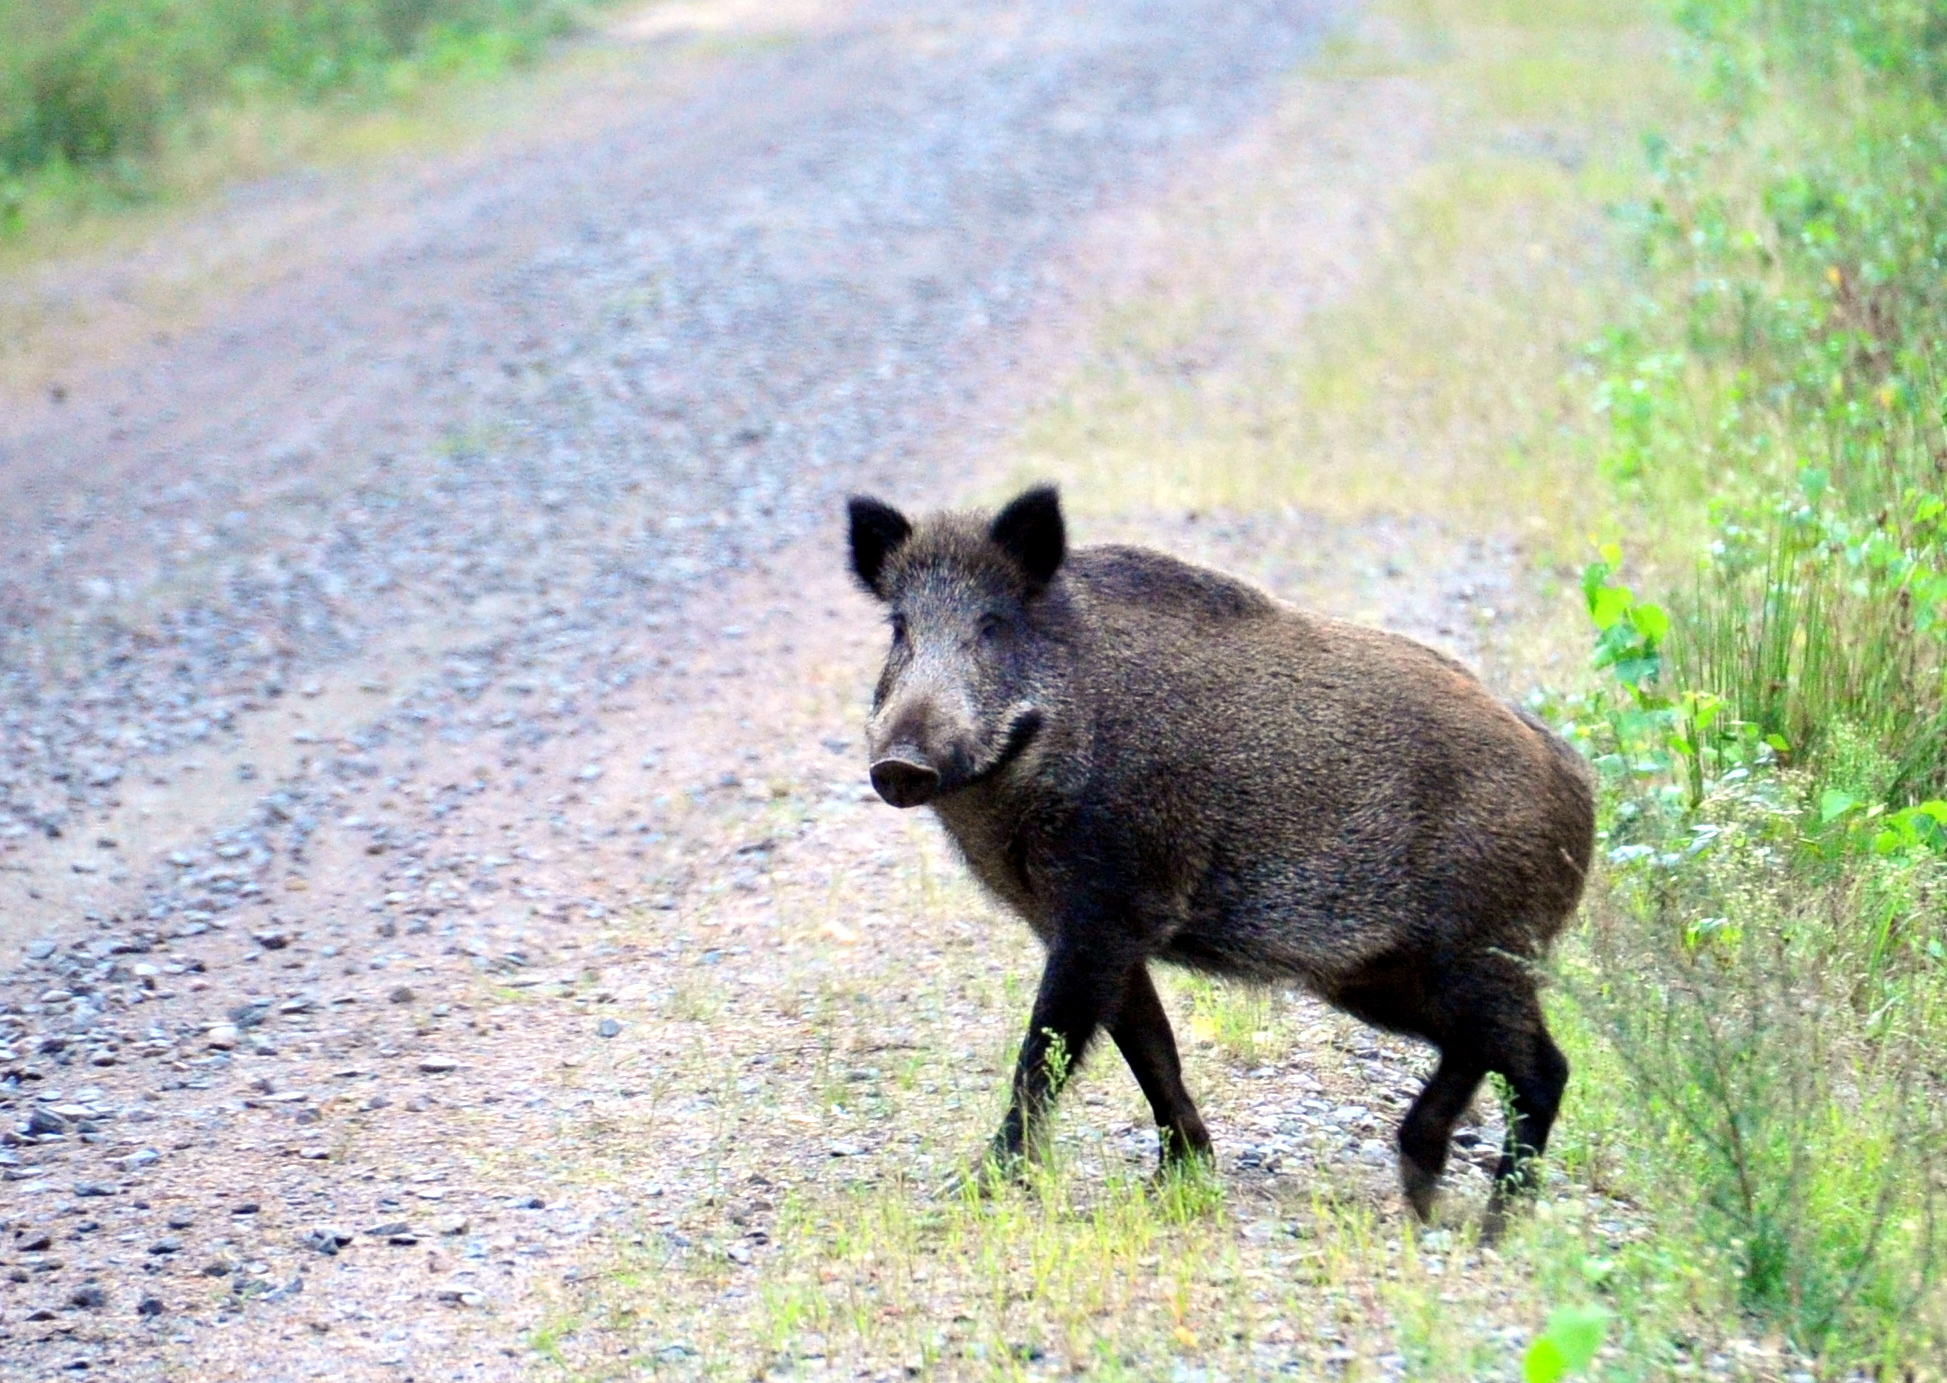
(1030,531)
(877,531)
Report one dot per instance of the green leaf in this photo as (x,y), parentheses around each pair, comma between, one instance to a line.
(1834,804)
(1608,605)
(1543,1363)
(1594,577)
(1650,621)
(1577,1332)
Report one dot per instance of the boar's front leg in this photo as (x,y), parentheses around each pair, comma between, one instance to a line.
(1080,987)
(1142,1031)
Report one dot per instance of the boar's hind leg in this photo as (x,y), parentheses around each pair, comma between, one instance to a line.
(1428,1127)
(1490,1021)
(1537,1073)
(1142,1031)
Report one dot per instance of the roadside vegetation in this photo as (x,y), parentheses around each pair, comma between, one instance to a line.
(1764,960)
(108,102)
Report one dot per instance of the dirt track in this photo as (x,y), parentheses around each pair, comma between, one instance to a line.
(429,681)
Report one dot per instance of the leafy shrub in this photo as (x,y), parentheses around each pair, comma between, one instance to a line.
(87,82)
(1767,952)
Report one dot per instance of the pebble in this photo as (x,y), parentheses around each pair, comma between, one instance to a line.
(402,995)
(438,1065)
(222,1037)
(89,1298)
(608,1027)
(326,1239)
(149,1306)
(287,1291)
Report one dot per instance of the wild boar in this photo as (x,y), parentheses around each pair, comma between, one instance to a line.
(1150,760)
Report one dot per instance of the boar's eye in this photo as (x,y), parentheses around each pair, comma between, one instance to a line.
(991,628)
(898,627)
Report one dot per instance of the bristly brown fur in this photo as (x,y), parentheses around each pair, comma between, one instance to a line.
(1149,760)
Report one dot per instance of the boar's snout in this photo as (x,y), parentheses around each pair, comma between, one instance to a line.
(904,781)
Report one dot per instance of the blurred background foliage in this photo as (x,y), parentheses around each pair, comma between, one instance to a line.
(95,88)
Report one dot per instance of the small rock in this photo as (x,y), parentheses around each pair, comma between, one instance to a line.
(218,1267)
(180,1219)
(246,1208)
(845,1150)
(149,1306)
(388,1229)
(450,1225)
(273,941)
(89,1298)
(222,1037)
(314,1154)
(93,1188)
(608,1027)
(140,1158)
(39,1243)
(530,1203)
(163,1247)
(438,1065)
(402,995)
(326,1240)
(287,1291)
(42,1120)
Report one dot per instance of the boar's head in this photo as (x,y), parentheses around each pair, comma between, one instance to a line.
(976,616)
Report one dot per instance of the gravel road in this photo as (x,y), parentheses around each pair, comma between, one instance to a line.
(373,646)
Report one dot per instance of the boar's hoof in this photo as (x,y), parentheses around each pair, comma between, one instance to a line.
(904,783)
(1422,1185)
